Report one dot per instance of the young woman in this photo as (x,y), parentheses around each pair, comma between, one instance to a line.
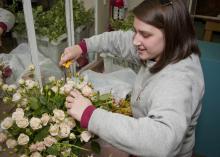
(167,94)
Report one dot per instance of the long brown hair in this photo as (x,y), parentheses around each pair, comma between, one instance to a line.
(174,20)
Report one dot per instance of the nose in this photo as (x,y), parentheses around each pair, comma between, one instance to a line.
(136,40)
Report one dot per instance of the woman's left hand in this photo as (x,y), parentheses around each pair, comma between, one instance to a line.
(76,104)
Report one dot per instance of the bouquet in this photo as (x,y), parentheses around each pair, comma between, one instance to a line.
(39,125)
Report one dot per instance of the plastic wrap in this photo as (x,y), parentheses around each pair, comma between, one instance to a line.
(119,83)
(19,60)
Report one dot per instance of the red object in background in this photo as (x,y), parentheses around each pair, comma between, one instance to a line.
(6,72)
(118,3)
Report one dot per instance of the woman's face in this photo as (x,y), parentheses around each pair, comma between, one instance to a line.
(149,40)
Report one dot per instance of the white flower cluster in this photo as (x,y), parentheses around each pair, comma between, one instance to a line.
(82,86)
(60,125)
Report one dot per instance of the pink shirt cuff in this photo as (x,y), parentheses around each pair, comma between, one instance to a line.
(83,46)
(86,116)
(3,26)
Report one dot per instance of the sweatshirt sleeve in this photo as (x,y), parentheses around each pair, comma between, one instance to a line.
(160,132)
(7,18)
(118,43)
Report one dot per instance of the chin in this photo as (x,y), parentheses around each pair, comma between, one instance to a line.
(143,57)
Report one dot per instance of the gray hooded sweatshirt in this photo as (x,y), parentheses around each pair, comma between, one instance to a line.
(165,105)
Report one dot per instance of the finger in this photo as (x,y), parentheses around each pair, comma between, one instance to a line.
(75,93)
(69,112)
(66,56)
(68,105)
(70,99)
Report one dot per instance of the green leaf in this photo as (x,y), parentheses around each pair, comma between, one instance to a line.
(34,105)
(41,134)
(105,97)
(53,150)
(95,147)
(43,100)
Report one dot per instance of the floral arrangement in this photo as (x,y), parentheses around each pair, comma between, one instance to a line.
(39,125)
(5,72)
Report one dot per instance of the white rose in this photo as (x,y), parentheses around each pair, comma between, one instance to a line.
(21,81)
(51,156)
(85,136)
(54,130)
(82,84)
(33,148)
(24,102)
(3,137)
(49,141)
(87,91)
(6,99)
(16,97)
(70,82)
(30,84)
(67,88)
(72,136)
(54,89)
(35,123)
(70,122)
(64,130)
(36,154)
(23,139)
(11,143)
(11,87)
(66,152)
(40,146)
(18,114)
(4,87)
(61,91)
(59,114)
(22,123)
(45,119)
(7,123)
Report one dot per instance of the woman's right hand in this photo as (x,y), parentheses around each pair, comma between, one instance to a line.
(70,53)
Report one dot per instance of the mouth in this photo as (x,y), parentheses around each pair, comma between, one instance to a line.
(141,51)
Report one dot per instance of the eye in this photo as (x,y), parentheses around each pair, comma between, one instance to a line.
(145,35)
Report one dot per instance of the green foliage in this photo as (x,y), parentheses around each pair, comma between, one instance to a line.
(125,24)
(41,134)
(52,23)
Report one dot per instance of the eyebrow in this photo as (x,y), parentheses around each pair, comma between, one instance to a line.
(142,32)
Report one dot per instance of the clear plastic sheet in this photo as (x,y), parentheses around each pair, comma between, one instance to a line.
(119,83)
(20,58)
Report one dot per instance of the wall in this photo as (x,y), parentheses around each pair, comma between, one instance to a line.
(208,129)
